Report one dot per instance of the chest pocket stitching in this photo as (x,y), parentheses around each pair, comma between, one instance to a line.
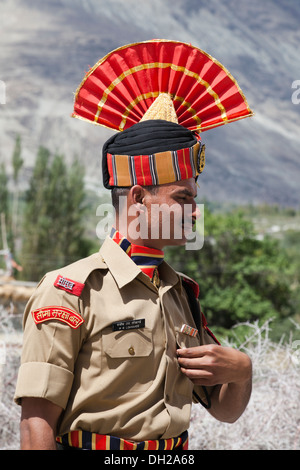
(128,344)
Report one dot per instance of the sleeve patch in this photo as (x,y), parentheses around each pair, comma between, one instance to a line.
(63,314)
(68,285)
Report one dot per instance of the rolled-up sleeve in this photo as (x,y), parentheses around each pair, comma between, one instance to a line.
(50,348)
(43,380)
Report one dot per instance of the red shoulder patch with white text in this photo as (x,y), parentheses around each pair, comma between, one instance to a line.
(68,285)
(63,314)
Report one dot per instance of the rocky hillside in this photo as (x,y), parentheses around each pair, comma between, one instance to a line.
(47,46)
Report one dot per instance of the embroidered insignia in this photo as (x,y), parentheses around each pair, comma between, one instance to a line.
(68,285)
(188,330)
(63,314)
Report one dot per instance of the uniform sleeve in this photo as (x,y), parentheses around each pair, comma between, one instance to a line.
(54,330)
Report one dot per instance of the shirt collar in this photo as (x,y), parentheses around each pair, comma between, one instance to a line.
(124,270)
(148,259)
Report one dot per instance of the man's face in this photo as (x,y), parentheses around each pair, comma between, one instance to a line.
(171,213)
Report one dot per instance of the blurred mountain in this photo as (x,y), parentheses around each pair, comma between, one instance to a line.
(47,46)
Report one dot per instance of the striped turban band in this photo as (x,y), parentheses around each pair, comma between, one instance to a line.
(152,153)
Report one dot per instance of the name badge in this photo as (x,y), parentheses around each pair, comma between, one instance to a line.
(128,324)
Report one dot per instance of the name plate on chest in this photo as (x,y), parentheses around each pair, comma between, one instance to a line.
(128,324)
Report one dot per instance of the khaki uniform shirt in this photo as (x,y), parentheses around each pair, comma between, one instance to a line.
(108,355)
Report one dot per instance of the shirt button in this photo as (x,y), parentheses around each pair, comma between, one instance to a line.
(131,351)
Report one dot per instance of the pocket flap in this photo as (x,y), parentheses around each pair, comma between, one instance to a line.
(128,344)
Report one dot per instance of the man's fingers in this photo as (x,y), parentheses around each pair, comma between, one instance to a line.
(199,376)
(197,364)
(224,364)
(198,351)
(191,362)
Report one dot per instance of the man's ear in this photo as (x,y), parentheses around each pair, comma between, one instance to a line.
(136,194)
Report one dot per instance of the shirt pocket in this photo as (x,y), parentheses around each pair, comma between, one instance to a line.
(128,344)
(127,361)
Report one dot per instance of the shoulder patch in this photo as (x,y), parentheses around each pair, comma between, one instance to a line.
(68,285)
(63,314)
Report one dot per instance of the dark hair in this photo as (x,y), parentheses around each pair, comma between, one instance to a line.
(116,193)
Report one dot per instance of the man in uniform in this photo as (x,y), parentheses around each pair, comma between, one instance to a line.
(115,346)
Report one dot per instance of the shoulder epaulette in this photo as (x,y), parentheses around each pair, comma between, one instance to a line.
(72,278)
